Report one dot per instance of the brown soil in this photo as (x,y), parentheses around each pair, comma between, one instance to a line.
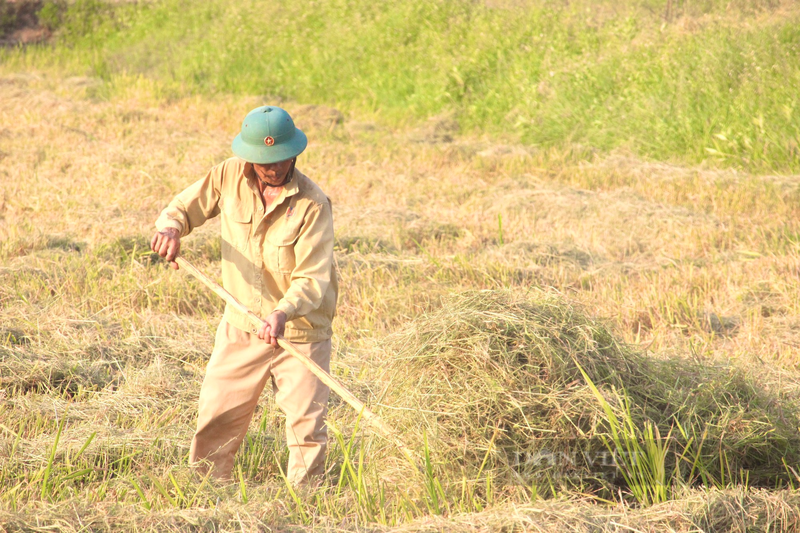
(22,23)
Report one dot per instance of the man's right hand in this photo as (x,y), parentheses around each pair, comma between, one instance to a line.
(167,244)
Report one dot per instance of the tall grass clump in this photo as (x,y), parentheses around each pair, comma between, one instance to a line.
(668,80)
(530,388)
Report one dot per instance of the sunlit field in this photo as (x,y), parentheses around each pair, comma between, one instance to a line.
(568,245)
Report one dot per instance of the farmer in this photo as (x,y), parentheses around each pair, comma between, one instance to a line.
(277,259)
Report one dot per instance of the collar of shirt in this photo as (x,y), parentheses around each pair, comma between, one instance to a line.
(289,189)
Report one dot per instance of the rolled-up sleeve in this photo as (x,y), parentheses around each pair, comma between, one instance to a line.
(311,276)
(196,204)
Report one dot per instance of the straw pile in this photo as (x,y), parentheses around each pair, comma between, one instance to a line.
(492,379)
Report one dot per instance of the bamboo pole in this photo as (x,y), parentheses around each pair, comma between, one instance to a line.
(373,419)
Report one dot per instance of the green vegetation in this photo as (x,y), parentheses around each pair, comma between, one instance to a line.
(669,80)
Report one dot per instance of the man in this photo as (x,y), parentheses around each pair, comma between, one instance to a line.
(277,259)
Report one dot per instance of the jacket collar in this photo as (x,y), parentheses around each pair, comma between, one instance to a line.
(290,188)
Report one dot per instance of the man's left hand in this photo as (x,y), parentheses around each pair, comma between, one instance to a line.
(273,327)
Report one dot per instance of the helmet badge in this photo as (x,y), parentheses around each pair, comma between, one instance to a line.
(269,141)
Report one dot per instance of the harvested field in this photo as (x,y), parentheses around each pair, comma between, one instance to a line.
(529,312)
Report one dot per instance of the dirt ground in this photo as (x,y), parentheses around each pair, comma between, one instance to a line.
(20,24)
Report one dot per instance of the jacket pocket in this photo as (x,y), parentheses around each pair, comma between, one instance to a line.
(236,225)
(279,246)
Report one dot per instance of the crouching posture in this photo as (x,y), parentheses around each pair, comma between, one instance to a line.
(277,259)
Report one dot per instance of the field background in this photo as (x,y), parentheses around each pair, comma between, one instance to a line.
(634,162)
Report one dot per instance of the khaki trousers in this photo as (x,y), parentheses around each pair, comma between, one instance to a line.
(236,374)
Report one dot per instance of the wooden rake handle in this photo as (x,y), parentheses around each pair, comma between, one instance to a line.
(326,378)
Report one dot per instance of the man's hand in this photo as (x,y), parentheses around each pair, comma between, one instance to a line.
(167,244)
(273,327)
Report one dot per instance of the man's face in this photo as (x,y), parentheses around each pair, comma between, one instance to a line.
(273,173)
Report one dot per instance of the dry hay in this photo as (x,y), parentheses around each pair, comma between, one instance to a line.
(493,377)
(734,510)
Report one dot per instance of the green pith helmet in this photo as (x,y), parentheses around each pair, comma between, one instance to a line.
(268,135)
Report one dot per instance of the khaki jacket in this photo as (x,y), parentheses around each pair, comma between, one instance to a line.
(281,258)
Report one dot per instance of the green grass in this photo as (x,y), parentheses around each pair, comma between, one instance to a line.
(680,81)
